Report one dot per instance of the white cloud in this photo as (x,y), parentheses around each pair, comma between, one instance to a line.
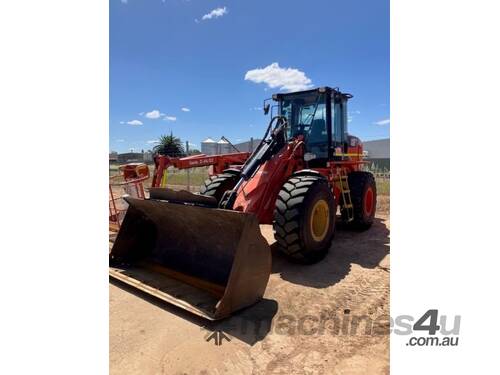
(154,114)
(216,13)
(288,79)
(193,145)
(185,109)
(124,1)
(120,140)
(134,122)
(153,141)
(122,122)
(383,122)
(352,114)
(170,118)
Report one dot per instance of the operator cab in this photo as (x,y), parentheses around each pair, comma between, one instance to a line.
(320,115)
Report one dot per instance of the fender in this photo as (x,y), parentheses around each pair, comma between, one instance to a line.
(234,171)
(307,172)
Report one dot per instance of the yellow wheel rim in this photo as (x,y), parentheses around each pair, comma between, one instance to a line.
(320,220)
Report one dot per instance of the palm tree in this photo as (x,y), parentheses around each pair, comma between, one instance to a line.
(169,145)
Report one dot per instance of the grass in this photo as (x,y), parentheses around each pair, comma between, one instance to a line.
(181,178)
(174,176)
(113,169)
(383,186)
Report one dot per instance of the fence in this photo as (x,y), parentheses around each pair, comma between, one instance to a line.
(178,179)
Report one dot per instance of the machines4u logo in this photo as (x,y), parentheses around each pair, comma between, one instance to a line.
(439,329)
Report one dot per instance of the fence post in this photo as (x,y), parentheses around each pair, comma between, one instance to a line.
(188,177)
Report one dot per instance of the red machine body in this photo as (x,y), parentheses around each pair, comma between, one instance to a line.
(258,195)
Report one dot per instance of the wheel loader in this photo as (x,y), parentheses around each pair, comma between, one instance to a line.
(205,253)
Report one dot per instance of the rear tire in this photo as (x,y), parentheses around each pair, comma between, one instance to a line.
(215,186)
(364,199)
(304,218)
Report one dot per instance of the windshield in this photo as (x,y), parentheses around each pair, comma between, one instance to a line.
(305,114)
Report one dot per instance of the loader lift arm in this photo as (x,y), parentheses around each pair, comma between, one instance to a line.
(264,151)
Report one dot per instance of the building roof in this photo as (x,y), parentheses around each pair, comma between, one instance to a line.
(208,140)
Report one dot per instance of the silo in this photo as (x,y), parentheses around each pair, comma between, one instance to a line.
(209,147)
(224,147)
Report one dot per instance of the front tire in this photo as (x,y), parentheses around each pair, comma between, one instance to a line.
(215,186)
(304,218)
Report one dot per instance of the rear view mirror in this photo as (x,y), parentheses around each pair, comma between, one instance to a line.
(267,106)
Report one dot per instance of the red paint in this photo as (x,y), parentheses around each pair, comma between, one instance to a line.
(368,201)
(259,194)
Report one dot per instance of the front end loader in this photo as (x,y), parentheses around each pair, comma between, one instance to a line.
(204,252)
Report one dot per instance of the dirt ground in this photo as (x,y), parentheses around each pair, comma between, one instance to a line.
(328,318)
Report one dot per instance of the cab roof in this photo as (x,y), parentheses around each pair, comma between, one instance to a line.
(321,90)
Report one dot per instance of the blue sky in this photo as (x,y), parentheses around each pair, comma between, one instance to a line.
(180,65)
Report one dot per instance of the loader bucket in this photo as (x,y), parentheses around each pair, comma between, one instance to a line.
(208,261)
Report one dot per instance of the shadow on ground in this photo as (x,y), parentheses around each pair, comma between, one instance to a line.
(249,325)
(349,247)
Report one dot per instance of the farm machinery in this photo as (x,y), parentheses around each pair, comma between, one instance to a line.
(128,182)
(218,163)
(205,253)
